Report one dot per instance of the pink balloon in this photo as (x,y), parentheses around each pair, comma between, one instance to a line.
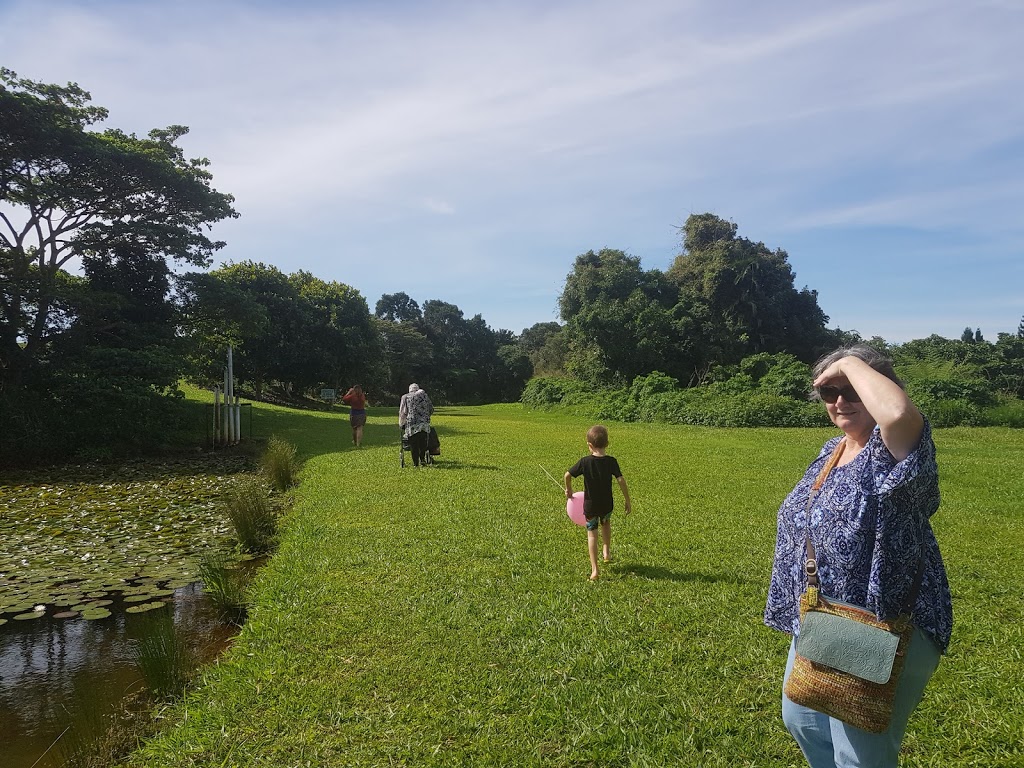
(574,508)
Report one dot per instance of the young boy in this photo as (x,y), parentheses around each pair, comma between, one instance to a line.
(598,469)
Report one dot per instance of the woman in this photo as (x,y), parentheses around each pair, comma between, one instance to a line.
(869,524)
(414,418)
(355,398)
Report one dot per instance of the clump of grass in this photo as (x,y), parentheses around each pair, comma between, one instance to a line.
(254,519)
(225,586)
(97,738)
(164,657)
(279,464)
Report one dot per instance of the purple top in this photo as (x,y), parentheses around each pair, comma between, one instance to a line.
(870,527)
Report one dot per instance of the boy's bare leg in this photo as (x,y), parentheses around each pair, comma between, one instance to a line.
(592,546)
(606,535)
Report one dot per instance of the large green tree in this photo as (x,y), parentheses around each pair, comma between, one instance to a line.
(70,194)
(338,345)
(745,294)
(295,331)
(621,321)
(90,223)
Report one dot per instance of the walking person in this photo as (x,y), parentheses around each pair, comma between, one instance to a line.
(414,411)
(862,508)
(598,469)
(355,398)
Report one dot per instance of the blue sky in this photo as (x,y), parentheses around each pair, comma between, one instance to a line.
(468,151)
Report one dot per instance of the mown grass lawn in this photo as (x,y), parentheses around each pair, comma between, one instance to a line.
(442,616)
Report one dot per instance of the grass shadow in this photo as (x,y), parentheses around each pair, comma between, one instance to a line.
(442,463)
(660,573)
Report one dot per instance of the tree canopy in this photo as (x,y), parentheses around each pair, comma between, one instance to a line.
(724,298)
(74,194)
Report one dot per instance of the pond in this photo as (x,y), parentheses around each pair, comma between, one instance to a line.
(56,673)
(89,557)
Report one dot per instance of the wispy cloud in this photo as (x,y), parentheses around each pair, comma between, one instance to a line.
(484,135)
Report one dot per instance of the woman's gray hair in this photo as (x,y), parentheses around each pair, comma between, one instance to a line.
(878,360)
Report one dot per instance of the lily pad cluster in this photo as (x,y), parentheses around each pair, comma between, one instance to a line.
(82,541)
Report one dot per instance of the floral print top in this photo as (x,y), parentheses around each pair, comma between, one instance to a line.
(414,412)
(870,526)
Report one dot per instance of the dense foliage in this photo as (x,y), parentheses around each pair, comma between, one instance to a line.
(723,299)
(955,383)
(91,359)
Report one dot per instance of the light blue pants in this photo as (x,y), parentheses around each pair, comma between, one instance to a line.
(830,743)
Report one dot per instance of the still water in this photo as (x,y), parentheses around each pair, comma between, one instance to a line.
(54,671)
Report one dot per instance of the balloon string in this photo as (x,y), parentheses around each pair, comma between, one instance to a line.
(560,486)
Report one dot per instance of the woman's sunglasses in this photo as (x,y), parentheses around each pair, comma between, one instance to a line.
(831,394)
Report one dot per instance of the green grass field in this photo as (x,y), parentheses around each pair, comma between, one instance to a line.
(443,617)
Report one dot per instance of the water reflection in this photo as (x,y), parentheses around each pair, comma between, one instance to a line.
(53,669)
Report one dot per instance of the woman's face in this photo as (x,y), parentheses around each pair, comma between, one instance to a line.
(846,410)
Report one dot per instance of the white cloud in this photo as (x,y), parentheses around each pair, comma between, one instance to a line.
(450,136)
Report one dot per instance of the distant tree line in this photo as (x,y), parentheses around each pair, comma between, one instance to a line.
(297,334)
(725,338)
(91,358)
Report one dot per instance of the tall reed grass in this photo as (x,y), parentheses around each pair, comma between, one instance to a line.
(163,656)
(225,586)
(252,515)
(279,464)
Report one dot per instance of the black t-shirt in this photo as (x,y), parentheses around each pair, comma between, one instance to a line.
(597,472)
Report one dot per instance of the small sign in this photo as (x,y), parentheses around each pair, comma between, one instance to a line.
(329,394)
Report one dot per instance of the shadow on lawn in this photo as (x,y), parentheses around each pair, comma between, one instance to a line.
(318,432)
(441,462)
(667,574)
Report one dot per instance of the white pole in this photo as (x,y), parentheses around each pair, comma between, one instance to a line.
(230,392)
(238,418)
(216,414)
(225,436)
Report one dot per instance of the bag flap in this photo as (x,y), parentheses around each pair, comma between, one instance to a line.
(847,645)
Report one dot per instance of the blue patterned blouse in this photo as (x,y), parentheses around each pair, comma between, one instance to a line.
(869,525)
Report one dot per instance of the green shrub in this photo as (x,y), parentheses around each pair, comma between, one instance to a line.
(1008,413)
(776,398)
(279,464)
(544,392)
(254,519)
(949,413)
(225,586)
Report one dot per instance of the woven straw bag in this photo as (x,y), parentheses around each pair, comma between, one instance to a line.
(857,646)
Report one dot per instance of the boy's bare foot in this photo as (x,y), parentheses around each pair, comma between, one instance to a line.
(593,576)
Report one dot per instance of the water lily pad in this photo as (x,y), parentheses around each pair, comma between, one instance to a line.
(95,613)
(66,615)
(145,607)
(19,607)
(28,616)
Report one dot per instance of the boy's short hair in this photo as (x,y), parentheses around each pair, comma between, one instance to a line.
(597,436)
